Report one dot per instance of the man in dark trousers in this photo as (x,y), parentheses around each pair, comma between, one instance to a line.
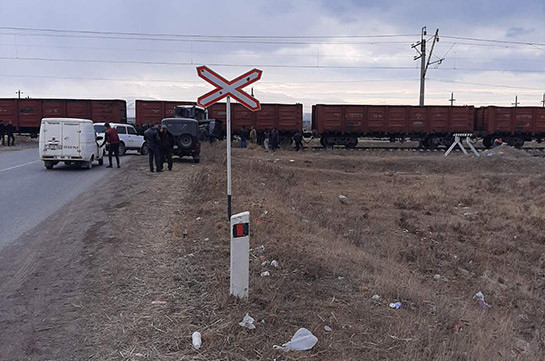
(275,139)
(10,129)
(112,138)
(167,146)
(2,132)
(298,139)
(154,148)
(243,135)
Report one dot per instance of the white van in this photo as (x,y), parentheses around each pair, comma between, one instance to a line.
(69,140)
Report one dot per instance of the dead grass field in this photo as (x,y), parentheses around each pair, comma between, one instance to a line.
(421,229)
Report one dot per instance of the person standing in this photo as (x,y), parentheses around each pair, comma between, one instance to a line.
(112,138)
(275,139)
(243,135)
(154,147)
(298,139)
(167,146)
(10,129)
(266,140)
(2,132)
(253,135)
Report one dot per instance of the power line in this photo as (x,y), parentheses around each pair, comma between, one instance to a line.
(492,40)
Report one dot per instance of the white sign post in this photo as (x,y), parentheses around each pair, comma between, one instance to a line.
(240,255)
(228,89)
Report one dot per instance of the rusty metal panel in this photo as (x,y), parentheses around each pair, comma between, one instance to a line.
(499,119)
(376,121)
(438,118)
(149,111)
(266,117)
(53,108)
(418,120)
(113,111)
(290,117)
(461,119)
(241,116)
(30,113)
(78,109)
(523,120)
(397,119)
(354,118)
(328,118)
(218,111)
(539,120)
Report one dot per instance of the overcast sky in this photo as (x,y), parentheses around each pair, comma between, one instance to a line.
(310,51)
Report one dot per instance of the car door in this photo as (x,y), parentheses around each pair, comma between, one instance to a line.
(123,137)
(133,137)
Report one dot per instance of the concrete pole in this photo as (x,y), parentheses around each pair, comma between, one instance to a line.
(228,113)
(422,67)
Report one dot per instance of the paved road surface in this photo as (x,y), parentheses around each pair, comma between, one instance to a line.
(29,193)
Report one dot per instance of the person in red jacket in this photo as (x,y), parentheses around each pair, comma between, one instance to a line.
(112,138)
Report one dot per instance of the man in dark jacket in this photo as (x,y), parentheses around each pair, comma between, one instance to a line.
(243,135)
(2,132)
(10,129)
(275,139)
(167,146)
(154,148)
(112,138)
(298,139)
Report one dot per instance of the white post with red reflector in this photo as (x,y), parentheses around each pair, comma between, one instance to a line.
(240,255)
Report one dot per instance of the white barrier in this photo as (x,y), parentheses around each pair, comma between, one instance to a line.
(240,255)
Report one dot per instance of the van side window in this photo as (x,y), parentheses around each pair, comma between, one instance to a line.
(121,130)
(131,130)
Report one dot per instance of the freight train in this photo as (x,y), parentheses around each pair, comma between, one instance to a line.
(335,125)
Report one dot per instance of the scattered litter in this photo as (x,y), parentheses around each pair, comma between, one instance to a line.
(438,277)
(274,263)
(467,214)
(292,161)
(522,345)
(396,305)
(340,278)
(433,310)
(490,154)
(265,274)
(375,298)
(207,239)
(328,329)
(480,297)
(159,302)
(265,263)
(197,341)
(260,249)
(198,218)
(247,322)
(185,234)
(257,221)
(457,327)
(262,258)
(264,213)
(305,220)
(301,341)
(342,198)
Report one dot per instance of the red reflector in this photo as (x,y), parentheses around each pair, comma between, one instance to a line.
(239,230)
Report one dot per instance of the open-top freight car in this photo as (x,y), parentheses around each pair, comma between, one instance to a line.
(26,114)
(431,125)
(153,111)
(513,125)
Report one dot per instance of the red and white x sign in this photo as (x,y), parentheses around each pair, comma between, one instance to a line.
(225,87)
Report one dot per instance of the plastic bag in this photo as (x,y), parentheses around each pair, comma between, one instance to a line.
(247,322)
(301,341)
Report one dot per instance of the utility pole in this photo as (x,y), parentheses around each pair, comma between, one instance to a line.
(452,100)
(543,101)
(18,92)
(516,103)
(425,63)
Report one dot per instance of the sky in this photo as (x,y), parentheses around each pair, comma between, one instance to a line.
(311,52)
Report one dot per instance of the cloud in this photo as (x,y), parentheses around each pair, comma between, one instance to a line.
(518,31)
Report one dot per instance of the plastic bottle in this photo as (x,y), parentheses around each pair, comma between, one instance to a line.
(196,340)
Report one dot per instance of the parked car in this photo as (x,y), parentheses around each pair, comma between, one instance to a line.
(128,137)
(69,140)
(185,132)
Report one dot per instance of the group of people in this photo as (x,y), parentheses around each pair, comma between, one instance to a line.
(160,147)
(7,130)
(271,140)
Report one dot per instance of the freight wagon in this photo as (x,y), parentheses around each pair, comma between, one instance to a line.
(431,125)
(153,111)
(26,114)
(513,125)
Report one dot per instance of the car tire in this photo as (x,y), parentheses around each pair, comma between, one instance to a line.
(185,141)
(122,149)
(48,164)
(144,150)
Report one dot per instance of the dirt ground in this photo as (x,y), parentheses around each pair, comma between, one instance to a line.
(130,270)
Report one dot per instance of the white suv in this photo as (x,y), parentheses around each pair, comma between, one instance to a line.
(128,137)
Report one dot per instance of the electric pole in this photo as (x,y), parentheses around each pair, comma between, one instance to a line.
(452,100)
(425,63)
(18,92)
(516,103)
(543,101)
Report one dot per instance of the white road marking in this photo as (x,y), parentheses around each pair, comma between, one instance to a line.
(20,165)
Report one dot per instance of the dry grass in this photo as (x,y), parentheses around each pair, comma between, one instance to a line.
(476,222)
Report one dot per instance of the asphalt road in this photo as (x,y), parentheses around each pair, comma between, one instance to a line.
(29,193)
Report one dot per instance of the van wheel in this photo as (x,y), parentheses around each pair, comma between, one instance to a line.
(48,164)
(122,149)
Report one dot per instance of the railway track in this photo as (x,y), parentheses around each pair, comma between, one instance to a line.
(534,151)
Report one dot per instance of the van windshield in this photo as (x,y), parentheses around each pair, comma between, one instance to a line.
(99,128)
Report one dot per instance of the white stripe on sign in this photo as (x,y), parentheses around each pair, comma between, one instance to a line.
(20,165)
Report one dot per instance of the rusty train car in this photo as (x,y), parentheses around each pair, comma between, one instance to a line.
(26,114)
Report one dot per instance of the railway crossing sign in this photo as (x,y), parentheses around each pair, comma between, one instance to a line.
(225,88)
